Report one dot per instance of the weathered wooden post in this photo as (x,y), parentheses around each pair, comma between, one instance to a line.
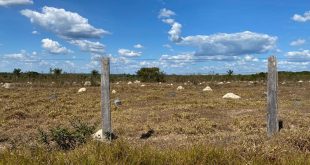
(272,99)
(105,98)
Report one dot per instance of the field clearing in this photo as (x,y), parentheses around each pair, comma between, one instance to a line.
(181,119)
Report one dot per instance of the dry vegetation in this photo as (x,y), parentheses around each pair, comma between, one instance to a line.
(191,126)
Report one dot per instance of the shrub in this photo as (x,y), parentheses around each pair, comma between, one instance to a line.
(67,139)
(17,72)
(151,74)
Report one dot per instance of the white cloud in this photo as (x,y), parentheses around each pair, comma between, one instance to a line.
(22,56)
(54,47)
(129,53)
(175,61)
(15,2)
(250,58)
(168,47)
(35,32)
(302,18)
(168,21)
(165,13)
(89,46)
(303,53)
(16,56)
(298,42)
(70,26)
(138,46)
(175,32)
(69,63)
(64,23)
(233,44)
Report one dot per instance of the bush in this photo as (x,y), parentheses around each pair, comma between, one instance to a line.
(17,72)
(67,139)
(151,74)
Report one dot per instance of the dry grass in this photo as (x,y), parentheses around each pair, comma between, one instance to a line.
(181,120)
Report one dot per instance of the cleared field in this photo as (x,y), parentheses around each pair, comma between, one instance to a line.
(181,119)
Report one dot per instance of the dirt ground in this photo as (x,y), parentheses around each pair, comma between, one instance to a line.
(179,118)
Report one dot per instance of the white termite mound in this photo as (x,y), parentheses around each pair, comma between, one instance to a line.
(207,89)
(82,90)
(87,83)
(180,88)
(231,96)
(113,91)
(98,135)
(7,85)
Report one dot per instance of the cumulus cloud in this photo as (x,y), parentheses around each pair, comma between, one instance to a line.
(176,28)
(129,53)
(54,47)
(303,53)
(64,23)
(165,13)
(302,18)
(138,46)
(233,44)
(15,2)
(298,42)
(298,56)
(70,26)
(89,46)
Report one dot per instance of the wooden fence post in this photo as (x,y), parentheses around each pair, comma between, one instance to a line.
(272,98)
(105,98)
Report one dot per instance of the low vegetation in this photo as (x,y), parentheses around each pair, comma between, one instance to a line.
(190,126)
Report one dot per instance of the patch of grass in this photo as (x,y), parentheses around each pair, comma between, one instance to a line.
(122,152)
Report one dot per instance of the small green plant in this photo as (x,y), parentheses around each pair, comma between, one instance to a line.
(82,131)
(43,137)
(65,138)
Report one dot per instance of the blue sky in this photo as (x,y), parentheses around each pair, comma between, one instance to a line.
(179,36)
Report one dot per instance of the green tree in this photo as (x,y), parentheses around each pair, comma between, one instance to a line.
(17,72)
(94,76)
(94,73)
(230,72)
(151,74)
(57,71)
